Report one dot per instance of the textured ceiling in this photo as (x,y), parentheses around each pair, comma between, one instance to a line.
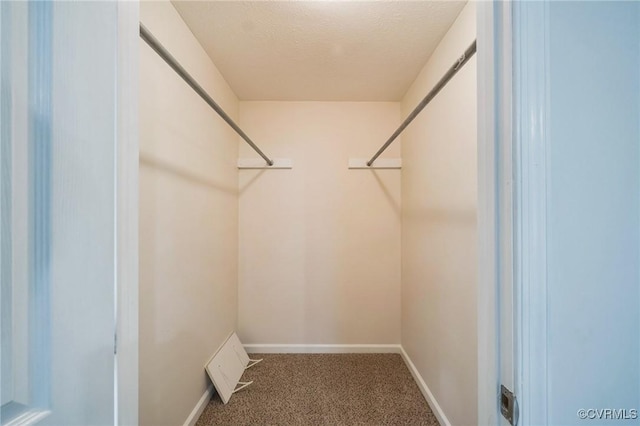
(319,50)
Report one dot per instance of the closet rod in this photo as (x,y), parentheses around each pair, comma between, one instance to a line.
(171,61)
(432,94)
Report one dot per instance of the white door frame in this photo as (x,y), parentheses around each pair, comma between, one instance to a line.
(488,377)
(495,209)
(513,107)
(531,139)
(126,363)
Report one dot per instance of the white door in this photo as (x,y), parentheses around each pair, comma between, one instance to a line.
(58,127)
(580,351)
(567,327)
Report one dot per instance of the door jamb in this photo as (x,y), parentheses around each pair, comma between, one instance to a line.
(126,228)
(488,353)
(531,141)
(528,63)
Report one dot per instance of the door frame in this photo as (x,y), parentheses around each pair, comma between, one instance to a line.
(531,140)
(513,111)
(487,291)
(126,223)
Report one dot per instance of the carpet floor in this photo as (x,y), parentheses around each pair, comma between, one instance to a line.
(324,389)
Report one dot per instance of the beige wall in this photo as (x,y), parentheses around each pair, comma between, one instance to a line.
(310,255)
(319,244)
(439,180)
(188,222)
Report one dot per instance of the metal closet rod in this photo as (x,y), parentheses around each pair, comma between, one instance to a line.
(432,94)
(171,61)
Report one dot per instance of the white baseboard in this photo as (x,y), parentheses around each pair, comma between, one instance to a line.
(431,400)
(199,408)
(321,349)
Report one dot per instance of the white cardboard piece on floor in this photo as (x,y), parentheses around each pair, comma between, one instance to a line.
(226,367)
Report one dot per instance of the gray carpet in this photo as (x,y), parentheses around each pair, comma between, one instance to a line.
(324,389)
